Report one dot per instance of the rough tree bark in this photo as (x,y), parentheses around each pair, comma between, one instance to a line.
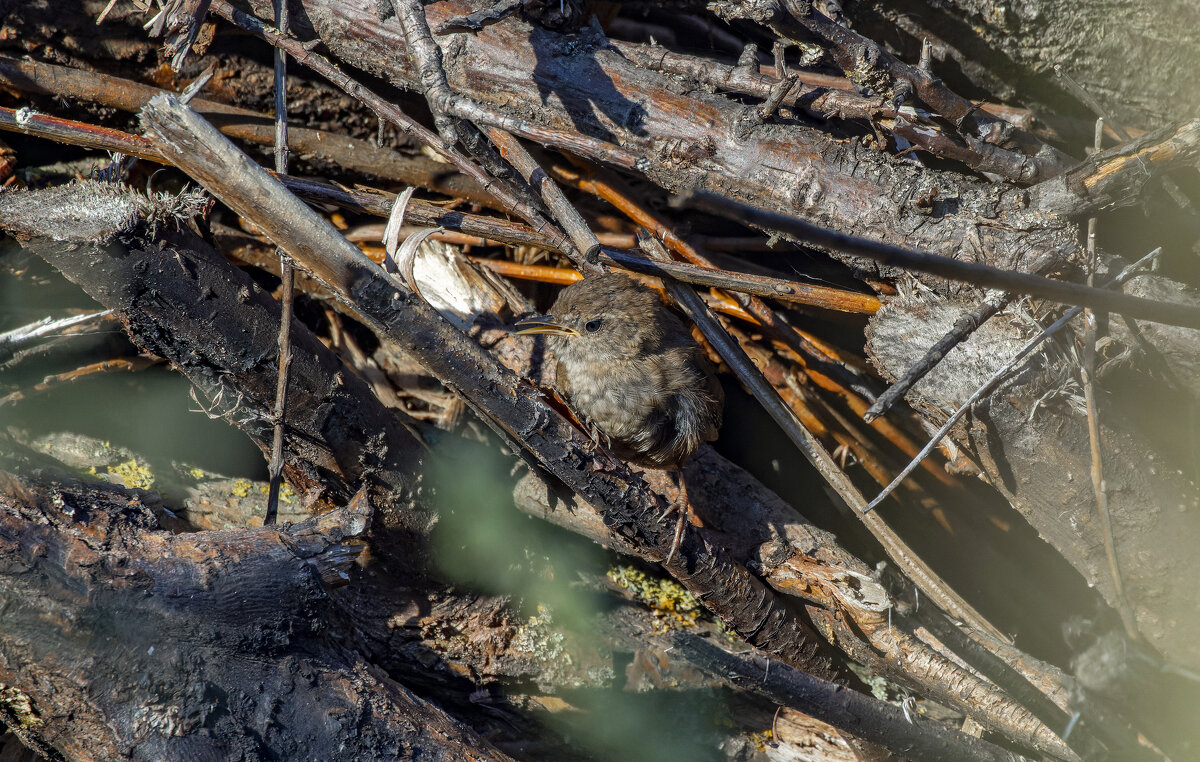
(103,615)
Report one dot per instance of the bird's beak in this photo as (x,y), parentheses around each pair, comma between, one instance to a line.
(543,324)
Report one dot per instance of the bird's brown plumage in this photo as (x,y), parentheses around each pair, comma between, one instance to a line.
(632,368)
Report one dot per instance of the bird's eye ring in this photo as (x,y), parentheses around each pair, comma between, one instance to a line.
(592,326)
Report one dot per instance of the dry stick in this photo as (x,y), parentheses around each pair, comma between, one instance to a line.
(1119,174)
(391,113)
(909,563)
(287,275)
(14,340)
(997,377)
(819,95)
(747,283)
(1087,99)
(379,203)
(828,702)
(243,124)
(572,221)
(778,92)
(1169,313)
(962,328)
(513,408)
(426,58)
(1088,371)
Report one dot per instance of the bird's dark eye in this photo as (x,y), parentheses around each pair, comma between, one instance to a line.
(592,326)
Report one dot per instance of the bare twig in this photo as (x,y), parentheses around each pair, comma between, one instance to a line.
(1117,175)
(831,98)
(13,340)
(288,276)
(778,91)
(868,64)
(510,201)
(587,246)
(351,154)
(1088,372)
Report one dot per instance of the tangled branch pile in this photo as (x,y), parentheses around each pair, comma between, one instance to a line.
(870,228)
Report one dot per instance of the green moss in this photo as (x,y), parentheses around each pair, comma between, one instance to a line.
(672,605)
(133,474)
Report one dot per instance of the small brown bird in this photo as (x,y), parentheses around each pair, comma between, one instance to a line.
(631,368)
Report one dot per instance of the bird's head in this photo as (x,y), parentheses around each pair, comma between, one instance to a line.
(602,316)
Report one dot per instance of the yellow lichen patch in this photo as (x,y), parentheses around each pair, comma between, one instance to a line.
(18,705)
(286,494)
(133,474)
(196,473)
(761,739)
(241,487)
(672,605)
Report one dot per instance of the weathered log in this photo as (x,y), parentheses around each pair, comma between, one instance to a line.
(1038,455)
(125,642)
(692,139)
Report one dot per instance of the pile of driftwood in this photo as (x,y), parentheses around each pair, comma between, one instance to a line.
(901,232)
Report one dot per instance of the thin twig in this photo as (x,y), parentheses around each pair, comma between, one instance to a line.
(967,272)
(12,341)
(1088,372)
(288,277)
(868,63)
(587,246)
(996,378)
